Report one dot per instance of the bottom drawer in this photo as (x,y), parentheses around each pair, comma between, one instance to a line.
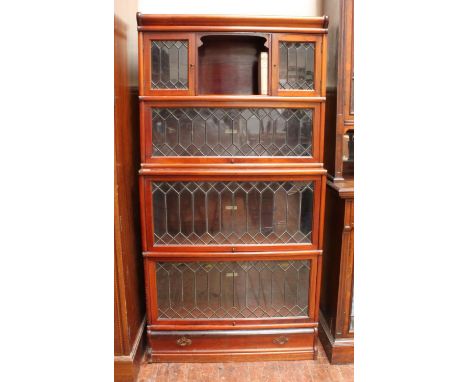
(232,345)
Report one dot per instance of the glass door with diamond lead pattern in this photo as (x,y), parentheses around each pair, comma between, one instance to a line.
(215,134)
(169,60)
(226,213)
(207,290)
(296,65)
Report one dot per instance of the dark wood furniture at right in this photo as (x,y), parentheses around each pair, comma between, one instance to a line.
(339,131)
(336,328)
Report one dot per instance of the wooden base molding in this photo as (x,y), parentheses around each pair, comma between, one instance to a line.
(338,351)
(126,367)
(257,356)
(233,345)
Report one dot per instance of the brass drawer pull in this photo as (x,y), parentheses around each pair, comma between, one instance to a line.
(184,341)
(281,340)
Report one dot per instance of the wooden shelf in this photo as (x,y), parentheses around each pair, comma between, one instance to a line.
(228,64)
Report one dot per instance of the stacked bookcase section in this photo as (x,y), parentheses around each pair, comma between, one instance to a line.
(232,185)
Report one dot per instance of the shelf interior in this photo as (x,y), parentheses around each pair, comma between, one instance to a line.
(228,64)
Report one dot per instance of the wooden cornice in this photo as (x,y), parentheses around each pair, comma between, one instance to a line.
(148,22)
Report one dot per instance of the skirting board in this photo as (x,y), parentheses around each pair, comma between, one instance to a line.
(126,367)
(339,351)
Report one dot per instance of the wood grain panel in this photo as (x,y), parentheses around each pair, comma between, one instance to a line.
(221,345)
(129,309)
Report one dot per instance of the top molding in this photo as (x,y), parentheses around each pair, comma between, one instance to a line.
(147,22)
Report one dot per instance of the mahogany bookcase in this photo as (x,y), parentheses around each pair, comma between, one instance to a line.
(232,185)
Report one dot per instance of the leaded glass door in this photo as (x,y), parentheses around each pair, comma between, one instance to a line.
(169,62)
(220,134)
(233,289)
(245,288)
(296,65)
(230,212)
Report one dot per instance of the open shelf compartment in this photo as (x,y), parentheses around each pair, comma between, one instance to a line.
(229,63)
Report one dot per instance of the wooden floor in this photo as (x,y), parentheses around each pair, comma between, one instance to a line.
(278,371)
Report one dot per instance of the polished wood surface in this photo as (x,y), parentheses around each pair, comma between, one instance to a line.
(220,47)
(207,21)
(340,113)
(338,273)
(254,100)
(338,259)
(339,351)
(129,309)
(222,346)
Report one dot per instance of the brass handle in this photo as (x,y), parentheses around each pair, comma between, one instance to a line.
(184,341)
(281,340)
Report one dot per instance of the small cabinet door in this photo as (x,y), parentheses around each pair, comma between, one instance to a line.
(168,64)
(297,65)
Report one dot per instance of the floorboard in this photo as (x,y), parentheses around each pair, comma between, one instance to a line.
(280,371)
